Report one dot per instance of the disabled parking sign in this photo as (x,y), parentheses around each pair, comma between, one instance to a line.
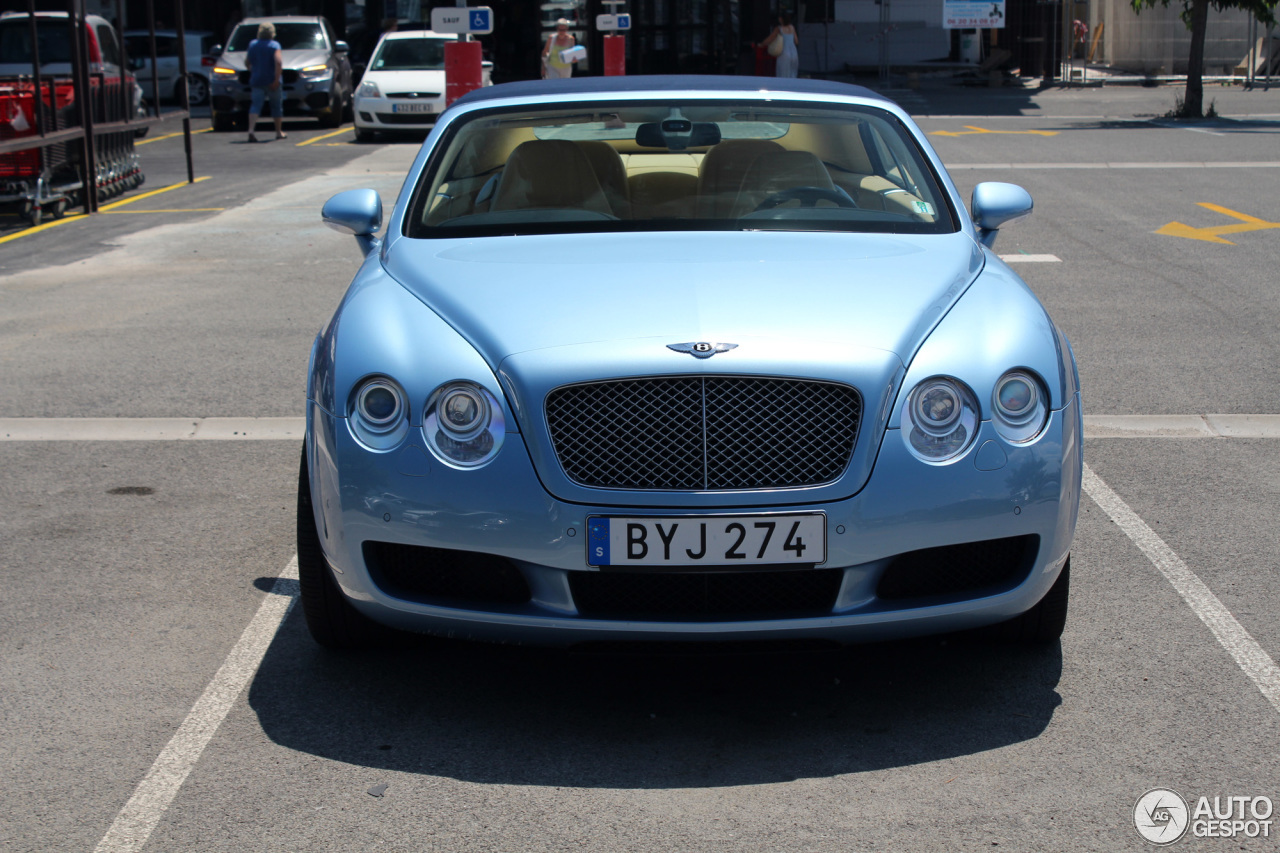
(463,20)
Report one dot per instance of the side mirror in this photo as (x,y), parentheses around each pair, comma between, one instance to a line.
(341,47)
(215,51)
(355,212)
(993,204)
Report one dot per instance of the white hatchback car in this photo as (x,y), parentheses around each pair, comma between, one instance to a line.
(403,88)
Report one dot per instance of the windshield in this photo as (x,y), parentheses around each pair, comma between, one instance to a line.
(290,36)
(412,54)
(750,165)
(15,41)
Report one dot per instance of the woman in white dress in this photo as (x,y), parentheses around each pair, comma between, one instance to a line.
(788,64)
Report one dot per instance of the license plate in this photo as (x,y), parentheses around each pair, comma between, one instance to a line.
(412,108)
(717,541)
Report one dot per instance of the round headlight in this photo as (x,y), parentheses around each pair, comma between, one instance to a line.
(463,426)
(1018,404)
(464,412)
(936,406)
(378,413)
(941,419)
(379,403)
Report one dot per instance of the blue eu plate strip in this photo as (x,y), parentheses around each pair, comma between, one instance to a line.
(598,542)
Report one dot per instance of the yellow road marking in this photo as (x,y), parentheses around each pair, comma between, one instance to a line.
(1213,234)
(132,199)
(171,136)
(171,210)
(105,209)
(970,130)
(324,136)
(45,227)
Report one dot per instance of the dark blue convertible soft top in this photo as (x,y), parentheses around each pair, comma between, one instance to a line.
(665,83)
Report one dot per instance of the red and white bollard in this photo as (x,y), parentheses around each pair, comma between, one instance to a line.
(462,71)
(615,56)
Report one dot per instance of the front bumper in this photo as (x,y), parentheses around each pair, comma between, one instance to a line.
(391,114)
(405,498)
(302,97)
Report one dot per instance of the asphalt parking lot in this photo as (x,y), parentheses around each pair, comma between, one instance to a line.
(159,691)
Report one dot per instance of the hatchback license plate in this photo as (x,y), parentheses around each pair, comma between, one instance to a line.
(411,108)
(719,541)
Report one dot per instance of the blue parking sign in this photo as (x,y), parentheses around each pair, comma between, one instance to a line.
(481,20)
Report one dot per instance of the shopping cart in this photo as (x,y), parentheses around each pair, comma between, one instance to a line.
(48,178)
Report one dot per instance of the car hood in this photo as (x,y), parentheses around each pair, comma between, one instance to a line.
(510,295)
(407,81)
(290,58)
(551,311)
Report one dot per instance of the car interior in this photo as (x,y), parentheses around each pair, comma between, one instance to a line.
(725,167)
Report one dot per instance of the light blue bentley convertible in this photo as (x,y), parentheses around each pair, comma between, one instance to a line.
(685,358)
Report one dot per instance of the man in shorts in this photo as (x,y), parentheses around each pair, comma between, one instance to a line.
(266,64)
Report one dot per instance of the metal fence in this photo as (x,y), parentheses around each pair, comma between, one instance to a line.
(67,138)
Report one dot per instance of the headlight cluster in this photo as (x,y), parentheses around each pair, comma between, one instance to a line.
(942,415)
(379,413)
(314,72)
(463,423)
(368,89)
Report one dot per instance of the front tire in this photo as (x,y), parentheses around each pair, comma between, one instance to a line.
(331,619)
(1043,623)
(197,91)
(223,122)
(332,116)
(363,135)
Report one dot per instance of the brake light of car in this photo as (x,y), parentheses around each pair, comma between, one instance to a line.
(206,61)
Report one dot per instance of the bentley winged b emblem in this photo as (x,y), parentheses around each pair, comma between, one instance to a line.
(701,349)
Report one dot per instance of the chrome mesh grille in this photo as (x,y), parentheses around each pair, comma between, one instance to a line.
(704,433)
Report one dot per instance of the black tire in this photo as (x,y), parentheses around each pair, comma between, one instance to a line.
(223,122)
(1043,623)
(197,90)
(363,135)
(331,619)
(332,116)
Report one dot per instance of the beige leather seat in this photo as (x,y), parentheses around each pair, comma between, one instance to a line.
(720,175)
(778,171)
(610,171)
(549,173)
(663,195)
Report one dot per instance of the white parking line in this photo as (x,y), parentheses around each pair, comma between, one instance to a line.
(1250,656)
(139,817)
(1020,258)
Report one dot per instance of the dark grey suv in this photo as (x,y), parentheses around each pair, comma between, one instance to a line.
(316,79)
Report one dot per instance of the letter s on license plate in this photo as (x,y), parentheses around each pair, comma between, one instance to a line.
(717,541)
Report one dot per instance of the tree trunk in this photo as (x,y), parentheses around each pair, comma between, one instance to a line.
(1193,104)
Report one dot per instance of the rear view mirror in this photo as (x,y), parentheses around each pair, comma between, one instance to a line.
(677,134)
(355,212)
(995,204)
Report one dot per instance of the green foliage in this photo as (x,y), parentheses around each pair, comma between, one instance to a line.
(1263,10)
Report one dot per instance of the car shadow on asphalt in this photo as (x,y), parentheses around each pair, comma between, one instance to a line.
(634,719)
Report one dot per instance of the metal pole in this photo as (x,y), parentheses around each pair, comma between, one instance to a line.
(155,71)
(35,65)
(126,93)
(186,102)
(84,104)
